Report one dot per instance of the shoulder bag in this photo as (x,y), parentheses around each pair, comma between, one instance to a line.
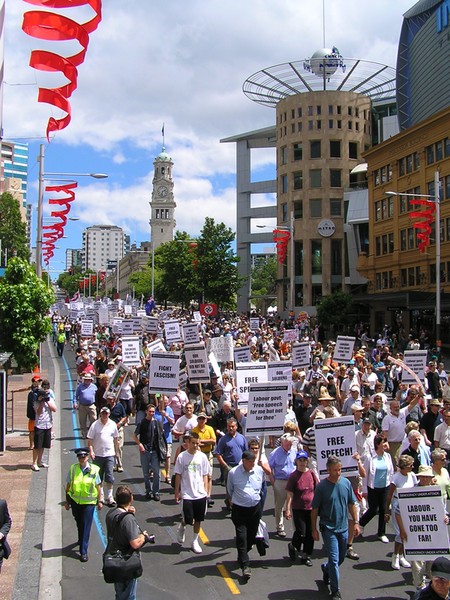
(117,566)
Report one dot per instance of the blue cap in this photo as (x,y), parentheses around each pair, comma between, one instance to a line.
(301,454)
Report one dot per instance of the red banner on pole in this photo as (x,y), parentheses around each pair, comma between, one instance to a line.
(281,238)
(426,217)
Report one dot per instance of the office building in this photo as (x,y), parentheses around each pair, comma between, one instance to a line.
(103,243)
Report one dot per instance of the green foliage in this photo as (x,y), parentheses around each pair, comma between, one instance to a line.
(24,303)
(335,310)
(264,276)
(13,231)
(68,282)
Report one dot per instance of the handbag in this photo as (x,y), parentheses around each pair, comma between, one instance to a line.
(118,566)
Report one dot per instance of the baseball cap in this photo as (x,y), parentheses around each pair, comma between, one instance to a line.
(441,568)
(301,454)
(105,409)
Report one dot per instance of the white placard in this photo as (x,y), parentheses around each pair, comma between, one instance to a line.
(172,331)
(141,313)
(290,335)
(254,323)
(191,333)
(336,436)
(127,327)
(156,346)
(87,328)
(343,351)
(423,512)
(164,372)
(267,404)
(214,364)
(301,355)
(117,325)
(246,375)
(137,324)
(222,348)
(197,316)
(103,314)
(131,351)
(128,309)
(150,324)
(279,371)
(197,363)
(242,354)
(416,360)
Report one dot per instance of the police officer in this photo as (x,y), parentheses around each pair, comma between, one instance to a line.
(83,495)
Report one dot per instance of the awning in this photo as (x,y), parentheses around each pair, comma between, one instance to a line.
(361,168)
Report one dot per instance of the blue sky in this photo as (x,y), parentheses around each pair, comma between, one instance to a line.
(181,63)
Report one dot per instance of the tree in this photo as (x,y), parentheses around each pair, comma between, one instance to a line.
(13,231)
(24,303)
(264,281)
(335,310)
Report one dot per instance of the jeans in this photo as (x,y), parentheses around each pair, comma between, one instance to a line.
(336,549)
(150,461)
(126,590)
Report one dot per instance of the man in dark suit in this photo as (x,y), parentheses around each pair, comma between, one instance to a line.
(5,526)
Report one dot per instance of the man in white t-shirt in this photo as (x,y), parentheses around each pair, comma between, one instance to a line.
(185,423)
(191,482)
(393,424)
(103,445)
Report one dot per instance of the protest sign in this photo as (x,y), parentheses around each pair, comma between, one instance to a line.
(197,363)
(131,352)
(214,364)
(423,512)
(164,372)
(254,323)
(87,328)
(267,404)
(117,380)
(301,355)
(336,436)
(416,360)
(117,325)
(197,316)
(242,354)
(172,331)
(128,309)
(222,348)
(127,327)
(279,371)
(343,351)
(156,346)
(137,324)
(247,374)
(191,333)
(150,324)
(103,314)
(290,335)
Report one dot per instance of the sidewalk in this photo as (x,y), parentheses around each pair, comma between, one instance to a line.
(15,478)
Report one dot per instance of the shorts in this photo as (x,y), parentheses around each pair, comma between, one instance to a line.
(194,510)
(106,465)
(30,425)
(42,438)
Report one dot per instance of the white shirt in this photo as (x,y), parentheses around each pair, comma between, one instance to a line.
(102,437)
(442,436)
(395,426)
(192,468)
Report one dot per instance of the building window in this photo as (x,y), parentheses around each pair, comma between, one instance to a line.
(298,209)
(330,109)
(403,245)
(298,180)
(378,211)
(335,207)
(330,123)
(310,125)
(298,151)
(350,124)
(284,155)
(339,124)
(299,112)
(357,126)
(356,112)
(319,124)
(315,207)
(384,244)
(447,187)
(349,109)
(315,178)
(292,127)
(378,246)
(335,178)
(430,154)
(284,212)
(338,110)
(401,167)
(299,126)
(316,257)
(439,151)
(315,149)
(353,149)
(411,276)
(411,239)
(310,111)
(284,184)
(416,160)
(293,113)
(409,163)
(335,149)
(447,147)
(336,257)
(319,109)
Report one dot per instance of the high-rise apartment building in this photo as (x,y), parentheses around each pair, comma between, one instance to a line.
(74,258)
(101,244)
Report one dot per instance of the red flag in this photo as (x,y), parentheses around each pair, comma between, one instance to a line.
(208,310)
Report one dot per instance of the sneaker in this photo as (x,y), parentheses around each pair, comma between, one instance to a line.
(335,595)
(292,551)
(395,563)
(181,533)
(44,465)
(110,502)
(246,573)
(281,532)
(196,547)
(120,469)
(156,497)
(35,468)
(384,539)
(352,554)
(325,574)
(404,563)
(210,503)
(306,560)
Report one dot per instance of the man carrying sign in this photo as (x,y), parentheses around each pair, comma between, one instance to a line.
(333,499)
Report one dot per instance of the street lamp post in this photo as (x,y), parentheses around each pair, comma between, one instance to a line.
(437,201)
(42,177)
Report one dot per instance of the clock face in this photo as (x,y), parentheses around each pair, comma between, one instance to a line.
(162,191)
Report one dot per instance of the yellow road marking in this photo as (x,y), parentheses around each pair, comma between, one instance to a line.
(228,580)
(203,536)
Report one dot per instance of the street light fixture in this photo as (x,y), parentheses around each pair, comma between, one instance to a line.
(42,177)
(290,228)
(436,198)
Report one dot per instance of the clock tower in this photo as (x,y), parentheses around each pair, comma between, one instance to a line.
(162,205)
